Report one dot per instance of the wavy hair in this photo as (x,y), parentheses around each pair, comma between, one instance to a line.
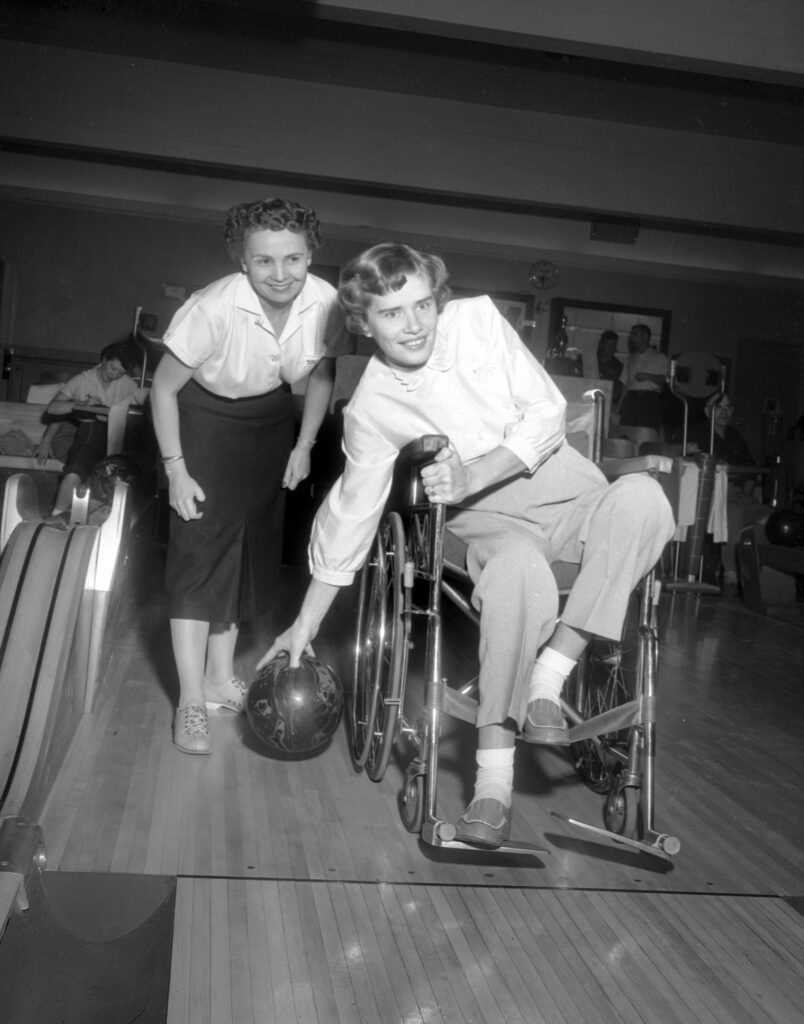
(272,213)
(383,269)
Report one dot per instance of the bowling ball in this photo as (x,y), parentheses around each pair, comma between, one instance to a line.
(109,471)
(784,526)
(295,710)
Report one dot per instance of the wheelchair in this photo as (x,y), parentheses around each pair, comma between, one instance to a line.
(610,700)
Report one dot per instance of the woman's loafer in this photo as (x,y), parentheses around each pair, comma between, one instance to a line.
(191,730)
(485,823)
(231,694)
(545,723)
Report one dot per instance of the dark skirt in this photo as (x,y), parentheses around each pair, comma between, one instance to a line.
(224,567)
(641,409)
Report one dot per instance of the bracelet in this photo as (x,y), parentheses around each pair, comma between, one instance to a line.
(305,443)
(171,458)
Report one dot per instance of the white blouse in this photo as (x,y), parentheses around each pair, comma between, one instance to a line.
(224,335)
(481,387)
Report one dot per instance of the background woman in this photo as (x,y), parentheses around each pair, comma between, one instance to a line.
(223,416)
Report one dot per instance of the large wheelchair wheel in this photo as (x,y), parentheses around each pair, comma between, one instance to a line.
(381,650)
(605,678)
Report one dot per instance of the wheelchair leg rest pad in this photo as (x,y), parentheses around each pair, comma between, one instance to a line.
(656,843)
(610,721)
(458,705)
(511,846)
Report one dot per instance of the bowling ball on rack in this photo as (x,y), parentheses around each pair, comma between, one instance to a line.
(111,470)
(786,527)
(295,710)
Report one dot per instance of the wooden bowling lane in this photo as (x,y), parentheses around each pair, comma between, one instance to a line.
(346,952)
(301,897)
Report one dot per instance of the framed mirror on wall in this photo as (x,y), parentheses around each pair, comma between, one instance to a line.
(586,321)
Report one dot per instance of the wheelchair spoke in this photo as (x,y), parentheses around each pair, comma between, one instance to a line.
(606,679)
(380,651)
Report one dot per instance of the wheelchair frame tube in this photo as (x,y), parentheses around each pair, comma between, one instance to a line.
(435,682)
(647,666)
(648,654)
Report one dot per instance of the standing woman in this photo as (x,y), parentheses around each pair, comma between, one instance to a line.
(223,416)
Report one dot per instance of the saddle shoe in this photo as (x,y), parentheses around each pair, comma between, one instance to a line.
(485,823)
(230,695)
(545,723)
(191,730)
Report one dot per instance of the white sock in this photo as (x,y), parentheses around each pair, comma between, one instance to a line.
(549,675)
(495,775)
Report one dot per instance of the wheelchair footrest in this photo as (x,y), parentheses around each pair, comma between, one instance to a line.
(511,847)
(656,843)
(441,834)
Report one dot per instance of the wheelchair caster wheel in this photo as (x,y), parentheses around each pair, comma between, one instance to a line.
(621,810)
(411,802)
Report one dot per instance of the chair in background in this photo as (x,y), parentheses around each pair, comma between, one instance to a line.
(772,574)
(151,321)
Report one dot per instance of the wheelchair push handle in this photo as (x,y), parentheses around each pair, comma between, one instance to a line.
(406,488)
(423,450)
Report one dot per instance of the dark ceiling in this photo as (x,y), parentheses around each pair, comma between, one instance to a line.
(338,44)
(290,40)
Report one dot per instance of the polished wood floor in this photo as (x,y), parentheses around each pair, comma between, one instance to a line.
(302,898)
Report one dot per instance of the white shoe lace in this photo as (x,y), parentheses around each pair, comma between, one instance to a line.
(194,720)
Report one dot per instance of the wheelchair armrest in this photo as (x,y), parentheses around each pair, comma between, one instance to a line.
(423,449)
(638,464)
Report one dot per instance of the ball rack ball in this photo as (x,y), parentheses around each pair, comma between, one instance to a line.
(785,526)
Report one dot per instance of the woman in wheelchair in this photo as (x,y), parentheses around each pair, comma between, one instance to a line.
(517,494)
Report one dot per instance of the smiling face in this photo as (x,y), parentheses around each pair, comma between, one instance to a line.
(276,262)
(403,323)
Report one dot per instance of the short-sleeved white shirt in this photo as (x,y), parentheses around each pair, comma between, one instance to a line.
(224,335)
(481,387)
(650,361)
(90,388)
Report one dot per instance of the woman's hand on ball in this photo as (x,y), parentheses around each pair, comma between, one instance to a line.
(296,641)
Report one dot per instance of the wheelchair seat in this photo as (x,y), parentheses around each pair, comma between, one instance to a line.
(455,550)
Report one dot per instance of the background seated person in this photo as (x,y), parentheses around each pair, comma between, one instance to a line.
(81,442)
(729,445)
(519,496)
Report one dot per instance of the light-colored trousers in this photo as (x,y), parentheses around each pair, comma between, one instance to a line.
(565,511)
